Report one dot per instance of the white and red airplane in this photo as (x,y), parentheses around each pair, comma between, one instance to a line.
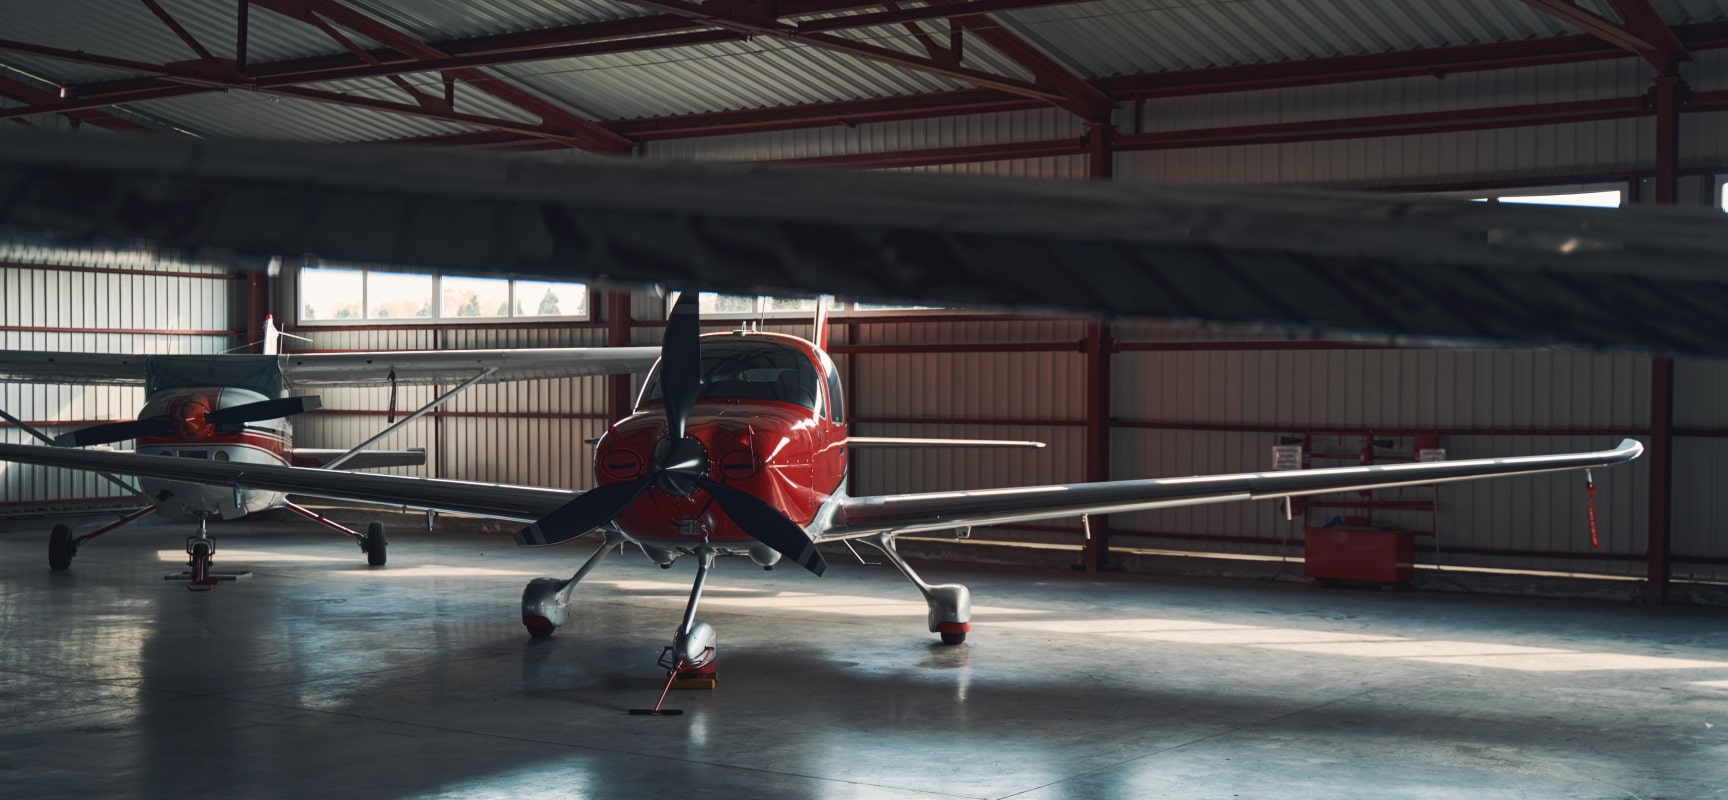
(229,409)
(739,446)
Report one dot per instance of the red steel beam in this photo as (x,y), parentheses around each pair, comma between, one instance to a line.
(1607,30)
(1079,96)
(570,127)
(1668,91)
(1096,556)
(38,98)
(1283,133)
(729,18)
(180,31)
(1642,18)
(546,132)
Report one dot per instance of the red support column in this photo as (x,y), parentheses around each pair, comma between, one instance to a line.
(1100,151)
(617,335)
(1098,346)
(1668,90)
(1661,486)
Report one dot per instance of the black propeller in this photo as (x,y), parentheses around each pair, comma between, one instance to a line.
(115,432)
(166,425)
(680,464)
(263,410)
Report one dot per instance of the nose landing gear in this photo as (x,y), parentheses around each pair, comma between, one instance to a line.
(200,549)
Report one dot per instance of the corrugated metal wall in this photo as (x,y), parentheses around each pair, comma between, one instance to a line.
(98,301)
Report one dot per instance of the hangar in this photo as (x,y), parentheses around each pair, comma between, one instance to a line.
(1120,656)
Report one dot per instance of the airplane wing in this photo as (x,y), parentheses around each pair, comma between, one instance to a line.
(365,459)
(311,370)
(26,366)
(859,516)
(1412,269)
(522,503)
(306,370)
(931,511)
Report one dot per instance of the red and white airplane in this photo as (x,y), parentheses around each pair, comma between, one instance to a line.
(229,409)
(739,446)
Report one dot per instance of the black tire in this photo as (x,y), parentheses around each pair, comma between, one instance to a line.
(375,544)
(61,549)
(953,638)
(538,630)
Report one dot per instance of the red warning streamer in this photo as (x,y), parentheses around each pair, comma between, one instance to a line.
(1595,538)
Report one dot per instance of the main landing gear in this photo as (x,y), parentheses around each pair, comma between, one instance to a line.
(372,542)
(62,545)
(950,604)
(546,601)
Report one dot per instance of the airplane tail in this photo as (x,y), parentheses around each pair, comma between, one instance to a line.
(820,336)
(273,336)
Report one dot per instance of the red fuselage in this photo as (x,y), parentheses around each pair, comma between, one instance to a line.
(769,417)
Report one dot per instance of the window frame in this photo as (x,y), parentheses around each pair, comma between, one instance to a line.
(1495,195)
(435,300)
(848,308)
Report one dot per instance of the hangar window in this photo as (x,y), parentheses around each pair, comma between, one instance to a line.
(1590,195)
(344,295)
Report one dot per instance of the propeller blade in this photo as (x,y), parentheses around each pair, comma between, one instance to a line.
(681,363)
(263,410)
(588,511)
(766,524)
(115,432)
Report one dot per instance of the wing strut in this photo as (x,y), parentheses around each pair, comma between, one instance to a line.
(49,440)
(395,426)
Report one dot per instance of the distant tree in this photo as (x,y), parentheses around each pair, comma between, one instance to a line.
(425,309)
(470,308)
(549,305)
(309,312)
(503,309)
(346,312)
(381,312)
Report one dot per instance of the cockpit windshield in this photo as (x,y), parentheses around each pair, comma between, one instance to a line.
(746,368)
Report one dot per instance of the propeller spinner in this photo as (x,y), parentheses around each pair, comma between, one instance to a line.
(680,464)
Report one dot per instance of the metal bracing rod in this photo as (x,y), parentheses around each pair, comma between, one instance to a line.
(49,440)
(322,520)
(704,562)
(885,543)
(342,459)
(122,522)
(612,538)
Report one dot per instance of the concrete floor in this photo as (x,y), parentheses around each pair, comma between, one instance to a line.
(323,677)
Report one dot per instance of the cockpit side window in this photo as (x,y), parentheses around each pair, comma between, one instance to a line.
(836,405)
(746,369)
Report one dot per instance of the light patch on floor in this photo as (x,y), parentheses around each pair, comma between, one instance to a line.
(1717,685)
(1119,625)
(682,589)
(1523,658)
(1394,647)
(433,571)
(1564,661)
(850,605)
(228,557)
(1250,636)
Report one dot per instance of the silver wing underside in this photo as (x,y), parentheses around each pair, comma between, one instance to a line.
(859,516)
(929,511)
(317,370)
(1413,269)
